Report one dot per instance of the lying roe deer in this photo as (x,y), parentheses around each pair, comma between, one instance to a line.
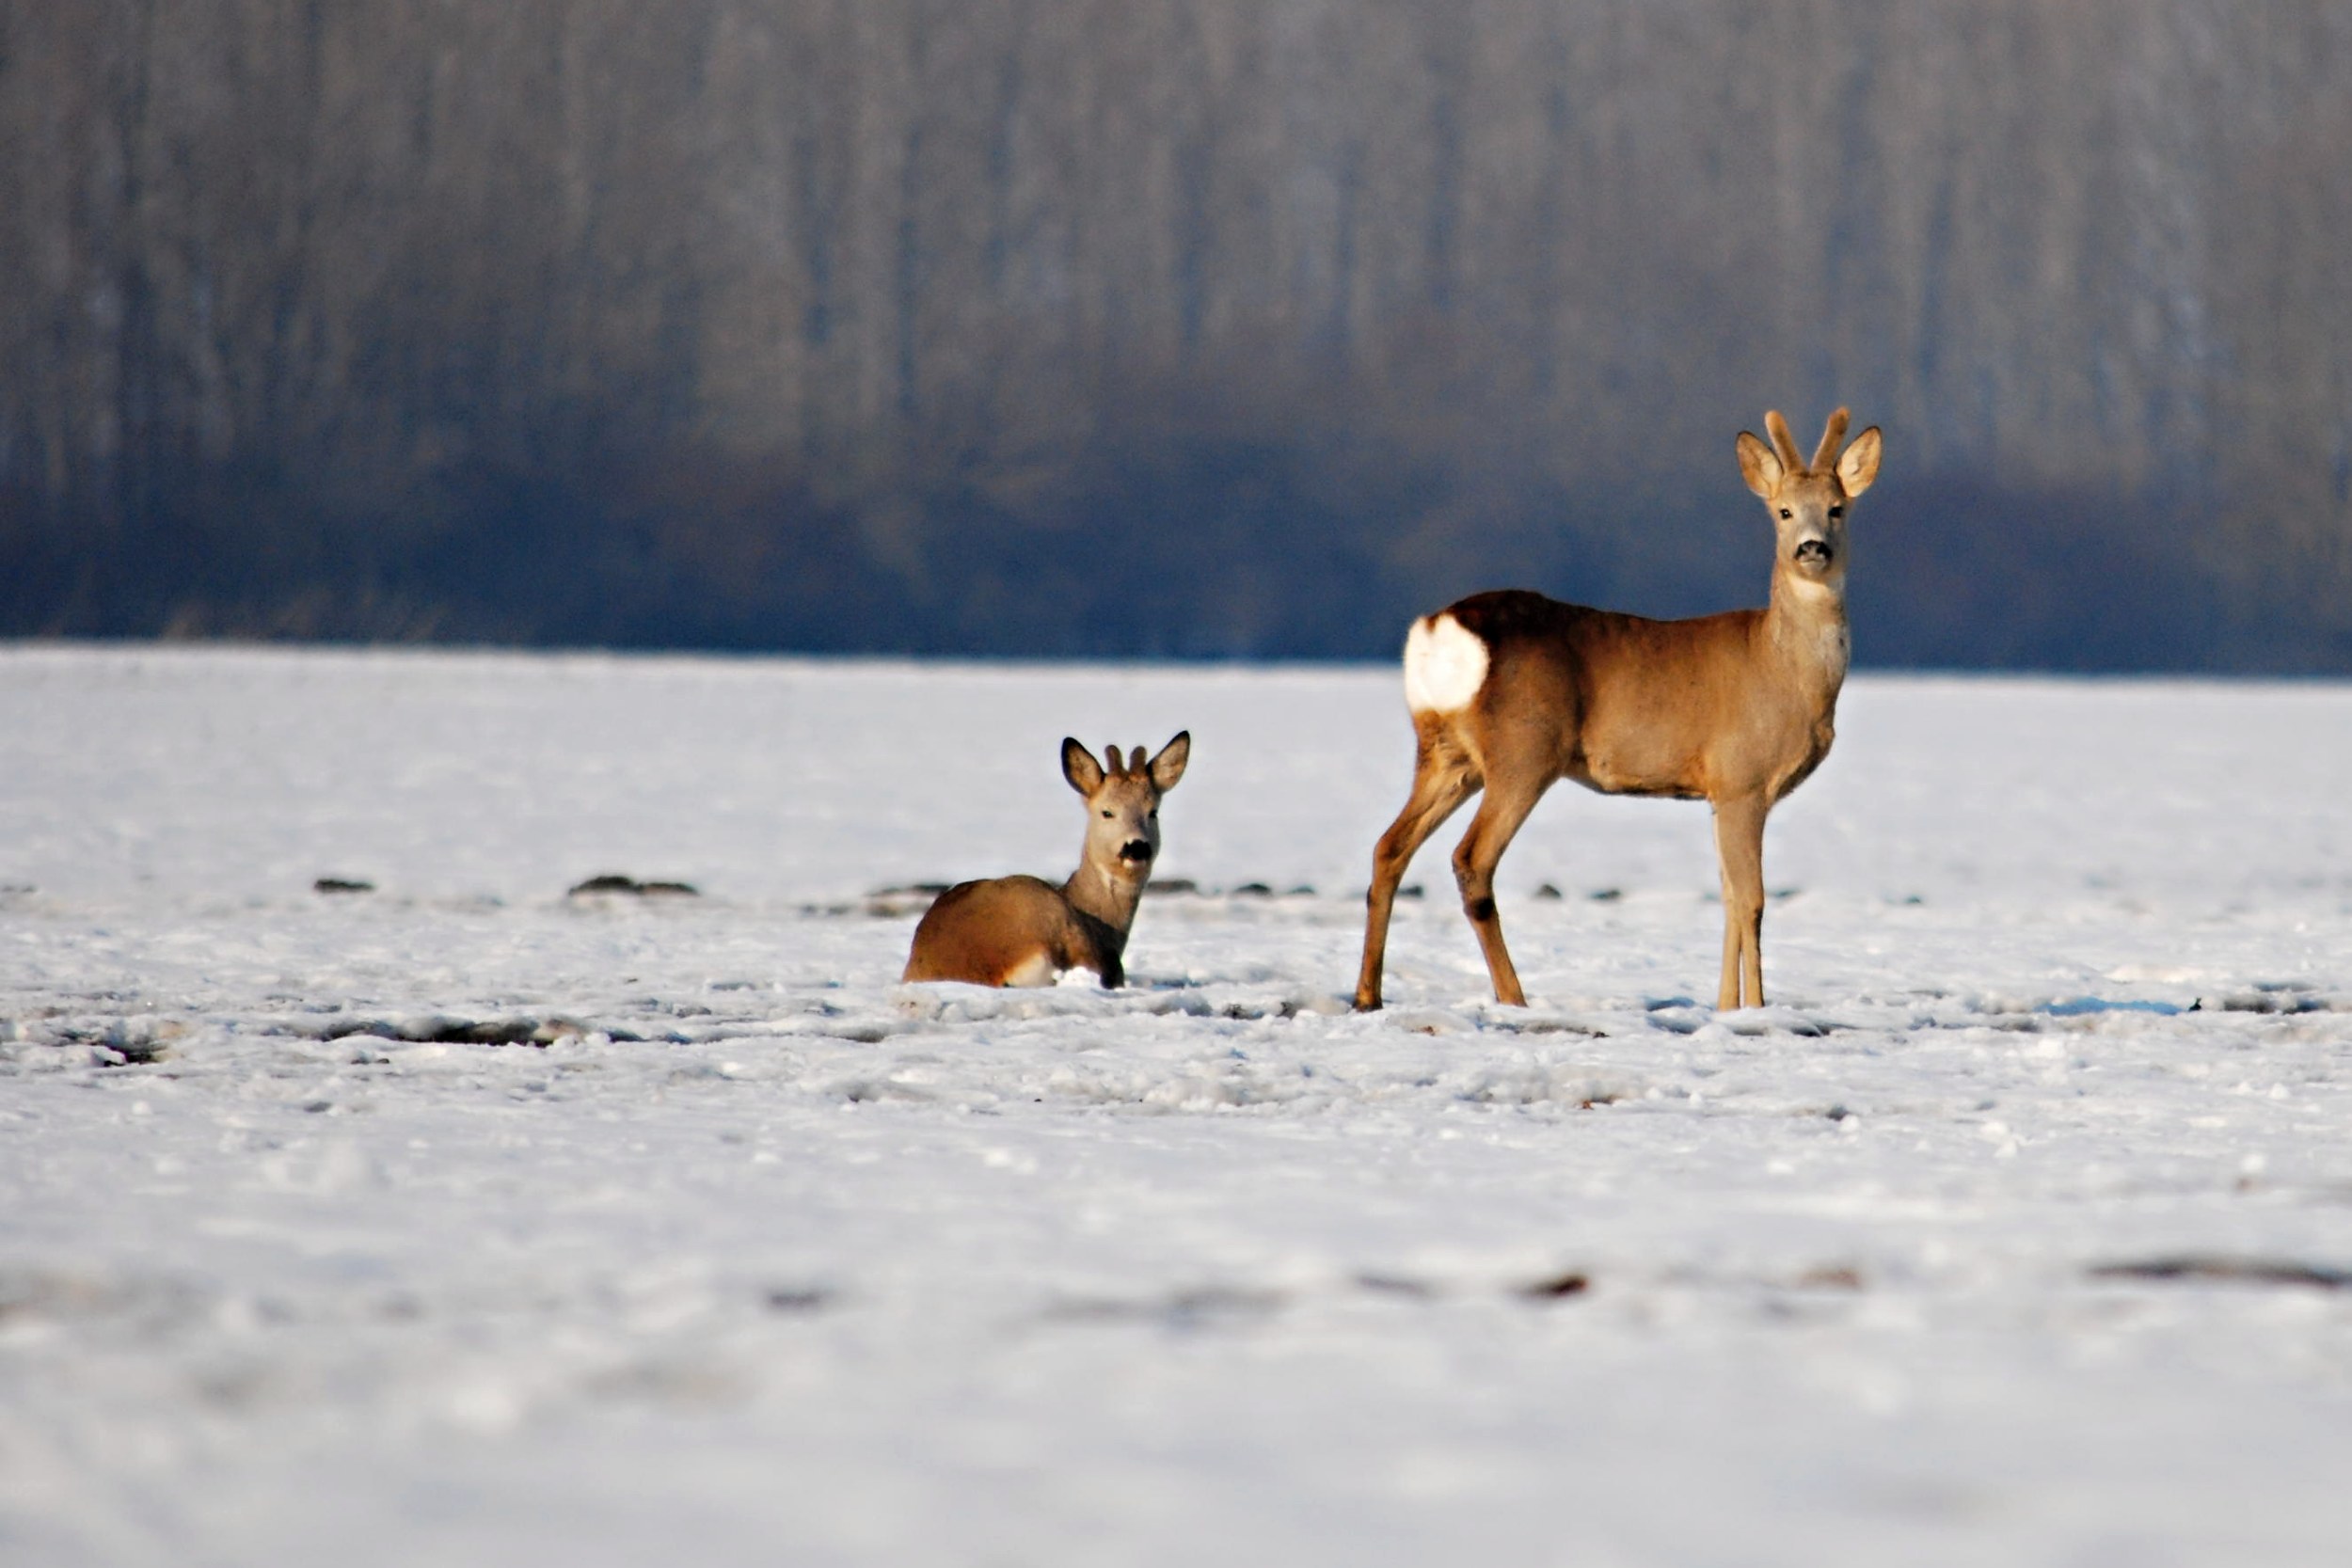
(1024,930)
(1510,691)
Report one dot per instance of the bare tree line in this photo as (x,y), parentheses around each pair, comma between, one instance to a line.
(1168,326)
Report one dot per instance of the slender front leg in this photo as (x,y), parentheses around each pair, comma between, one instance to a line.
(1509,799)
(1740,848)
(1441,781)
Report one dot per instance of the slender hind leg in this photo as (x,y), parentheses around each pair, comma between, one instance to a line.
(1511,794)
(1740,847)
(1442,780)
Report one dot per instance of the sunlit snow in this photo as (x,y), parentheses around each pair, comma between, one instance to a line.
(462,1221)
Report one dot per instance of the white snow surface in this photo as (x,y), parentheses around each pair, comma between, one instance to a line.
(759,1257)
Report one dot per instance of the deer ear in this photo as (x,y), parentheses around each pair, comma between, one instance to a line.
(1757,466)
(1170,764)
(1859,467)
(1079,767)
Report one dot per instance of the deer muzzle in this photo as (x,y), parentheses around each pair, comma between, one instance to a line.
(1136,849)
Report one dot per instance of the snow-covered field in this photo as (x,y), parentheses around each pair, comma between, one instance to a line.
(2017,1231)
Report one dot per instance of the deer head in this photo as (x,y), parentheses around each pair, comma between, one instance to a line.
(1123,802)
(1808,500)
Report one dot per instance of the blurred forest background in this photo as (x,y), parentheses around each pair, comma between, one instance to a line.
(1192,327)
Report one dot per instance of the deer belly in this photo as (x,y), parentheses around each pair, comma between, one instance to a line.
(1628,770)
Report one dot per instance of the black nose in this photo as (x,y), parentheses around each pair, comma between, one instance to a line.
(1814,552)
(1135,850)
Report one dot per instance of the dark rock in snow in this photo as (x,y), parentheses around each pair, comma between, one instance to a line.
(613,884)
(890,903)
(2196,1268)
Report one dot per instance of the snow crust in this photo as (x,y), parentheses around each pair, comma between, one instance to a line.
(2016,1231)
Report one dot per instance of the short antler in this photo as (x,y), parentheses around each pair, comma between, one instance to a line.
(1782,444)
(1825,455)
(1116,769)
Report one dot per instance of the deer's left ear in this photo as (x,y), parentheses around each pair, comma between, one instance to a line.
(1170,764)
(1079,767)
(1757,466)
(1860,466)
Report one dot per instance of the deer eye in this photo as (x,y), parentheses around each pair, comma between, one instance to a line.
(1837,510)
(1786,512)
(1106,814)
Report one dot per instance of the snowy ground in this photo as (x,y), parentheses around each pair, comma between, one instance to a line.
(2017,1229)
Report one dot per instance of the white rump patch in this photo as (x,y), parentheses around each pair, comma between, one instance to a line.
(1445,664)
(1035,970)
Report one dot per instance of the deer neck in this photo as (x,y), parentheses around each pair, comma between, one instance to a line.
(1805,630)
(1098,891)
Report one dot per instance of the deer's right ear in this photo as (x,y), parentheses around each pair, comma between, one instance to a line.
(1079,767)
(1758,467)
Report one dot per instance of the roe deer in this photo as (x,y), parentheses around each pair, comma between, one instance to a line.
(1024,930)
(1510,691)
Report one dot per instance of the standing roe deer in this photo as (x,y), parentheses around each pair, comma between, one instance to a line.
(1024,930)
(1510,691)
